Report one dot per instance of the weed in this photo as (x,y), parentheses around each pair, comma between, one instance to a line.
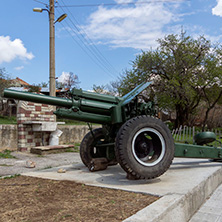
(75,149)
(112,201)
(48,167)
(67,215)
(10,177)
(5,165)
(6,154)
(8,120)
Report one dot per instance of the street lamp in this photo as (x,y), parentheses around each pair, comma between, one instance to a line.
(52,85)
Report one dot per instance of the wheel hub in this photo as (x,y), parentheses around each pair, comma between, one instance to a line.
(148,147)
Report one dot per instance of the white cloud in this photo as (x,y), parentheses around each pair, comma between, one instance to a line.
(19,68)
(217,10)
(9,50)
(67,77)
(135,26)
(64,77)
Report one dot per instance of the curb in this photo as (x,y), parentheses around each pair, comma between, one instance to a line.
(178,207)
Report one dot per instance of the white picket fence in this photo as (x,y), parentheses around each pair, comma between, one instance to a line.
(186,134)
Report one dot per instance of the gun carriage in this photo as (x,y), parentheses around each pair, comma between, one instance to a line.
(130,135)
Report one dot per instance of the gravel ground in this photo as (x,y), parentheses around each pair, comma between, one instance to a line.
(18,165)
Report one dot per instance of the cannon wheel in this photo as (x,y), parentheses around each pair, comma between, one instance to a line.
(144,147)
(88,151)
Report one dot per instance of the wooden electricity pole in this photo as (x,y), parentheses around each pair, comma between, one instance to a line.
(52,85)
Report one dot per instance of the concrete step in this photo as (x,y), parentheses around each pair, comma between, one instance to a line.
(42,150)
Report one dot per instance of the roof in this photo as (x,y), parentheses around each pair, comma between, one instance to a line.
(18,82)
(42,90)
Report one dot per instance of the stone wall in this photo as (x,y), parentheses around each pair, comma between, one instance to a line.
(35,123)
(71,134)
(8,137)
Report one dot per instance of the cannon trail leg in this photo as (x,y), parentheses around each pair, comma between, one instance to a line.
(144,147)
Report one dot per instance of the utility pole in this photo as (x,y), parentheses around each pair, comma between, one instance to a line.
(52,87)
(51,13)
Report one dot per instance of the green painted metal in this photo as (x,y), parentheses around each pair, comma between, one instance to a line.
(83,116)
(95,96)
(33,97)
(204,138)
(112,112)
(197,151)
(136,91)
(91,107)
(83,104)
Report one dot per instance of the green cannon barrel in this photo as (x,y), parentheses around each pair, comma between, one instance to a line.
(85,105)
(33,97)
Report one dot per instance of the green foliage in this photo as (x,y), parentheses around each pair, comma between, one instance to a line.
(70,80)
(10,177)
(43,84)
(181,68)
(71,122)
(109,89)
(100,89)
(8,120)
(4,81)
(6,154)
(37,87)
(75,149)
(34,88)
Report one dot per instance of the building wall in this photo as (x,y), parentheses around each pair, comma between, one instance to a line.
(71,134)
(8,137)
(28,112)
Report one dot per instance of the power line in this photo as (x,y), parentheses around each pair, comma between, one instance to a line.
(91,43)
(94,60)
(89,48)
(41,3)
(126,3)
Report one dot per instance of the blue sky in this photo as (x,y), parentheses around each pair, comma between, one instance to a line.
(97,43)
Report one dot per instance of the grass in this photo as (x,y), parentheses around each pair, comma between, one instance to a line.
(75,149)
(6,154)
(5,165)
(8,120)
(12,120)
(71,122)
(10,177)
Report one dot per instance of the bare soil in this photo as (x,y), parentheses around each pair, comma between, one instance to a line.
(29,199)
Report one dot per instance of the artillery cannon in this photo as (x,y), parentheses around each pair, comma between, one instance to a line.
(130,134)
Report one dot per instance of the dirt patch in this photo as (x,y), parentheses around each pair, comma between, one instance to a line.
(35,199)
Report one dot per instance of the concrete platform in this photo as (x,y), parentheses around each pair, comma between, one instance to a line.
(183,188)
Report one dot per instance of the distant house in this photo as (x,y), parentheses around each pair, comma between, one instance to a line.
(9,106)
(18,83)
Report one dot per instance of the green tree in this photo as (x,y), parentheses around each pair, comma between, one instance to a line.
(4,81)
(43,84)
(71,80)
(181,68)
(110,89)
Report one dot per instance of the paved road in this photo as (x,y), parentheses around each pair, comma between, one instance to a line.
(211,210)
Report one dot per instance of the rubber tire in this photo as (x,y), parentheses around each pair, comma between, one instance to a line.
(124,153)
(87,146)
